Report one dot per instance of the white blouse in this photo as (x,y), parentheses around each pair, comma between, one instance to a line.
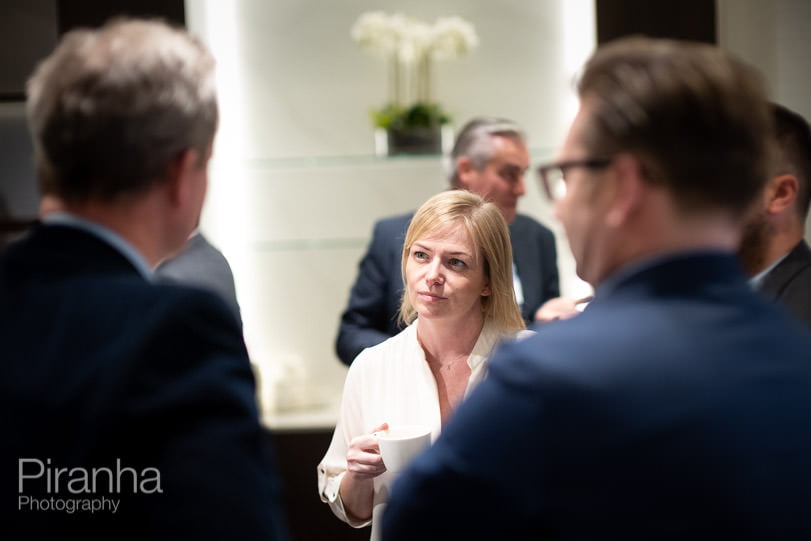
(391,383)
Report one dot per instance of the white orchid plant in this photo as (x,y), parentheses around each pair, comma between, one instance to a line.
(410,46)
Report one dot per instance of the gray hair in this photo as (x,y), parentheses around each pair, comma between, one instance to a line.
(111,108)
(475,143)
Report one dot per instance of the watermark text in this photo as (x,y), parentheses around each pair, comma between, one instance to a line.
(44,486)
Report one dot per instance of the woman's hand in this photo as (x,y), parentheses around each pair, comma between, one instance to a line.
(363,464)
(363,458)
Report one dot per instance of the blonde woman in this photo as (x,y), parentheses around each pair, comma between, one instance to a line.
(459,304)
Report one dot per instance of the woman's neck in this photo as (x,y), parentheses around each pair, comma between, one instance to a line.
(442,339)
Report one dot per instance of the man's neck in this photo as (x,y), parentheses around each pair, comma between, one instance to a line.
(663,240)
(137,223)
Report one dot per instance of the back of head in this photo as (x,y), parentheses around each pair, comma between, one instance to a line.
(695,117)
(475,143)
(110,108)
(489,233)
(794,146)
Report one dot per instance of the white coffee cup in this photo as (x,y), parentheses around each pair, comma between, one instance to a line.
(399,444)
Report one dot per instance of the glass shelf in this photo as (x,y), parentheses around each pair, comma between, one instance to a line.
(302,245)
(359,160)
(294,162)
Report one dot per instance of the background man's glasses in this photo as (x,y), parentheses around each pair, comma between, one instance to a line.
(552,175)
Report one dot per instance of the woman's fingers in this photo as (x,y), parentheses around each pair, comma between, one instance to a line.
(363,456)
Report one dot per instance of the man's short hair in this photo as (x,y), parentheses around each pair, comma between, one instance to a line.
(696,118)
(111,108)
(794,145)
(475,143)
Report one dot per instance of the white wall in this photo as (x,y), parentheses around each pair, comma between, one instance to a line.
(774,37)
(295,187)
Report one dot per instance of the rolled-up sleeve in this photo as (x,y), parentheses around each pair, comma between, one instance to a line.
(332,468)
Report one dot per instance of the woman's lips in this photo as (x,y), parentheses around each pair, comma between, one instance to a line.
(430,297)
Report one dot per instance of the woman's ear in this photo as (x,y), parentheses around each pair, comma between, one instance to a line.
(486,291)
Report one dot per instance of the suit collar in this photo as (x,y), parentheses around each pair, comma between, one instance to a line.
(683,273)
(104,234)
(794,262)
(58,250)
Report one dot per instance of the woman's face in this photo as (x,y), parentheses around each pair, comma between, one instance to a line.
(443,278)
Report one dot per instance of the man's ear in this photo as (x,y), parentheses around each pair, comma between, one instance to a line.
(464,169)
(179,176)
(627,188)
(781,192)
(50,203)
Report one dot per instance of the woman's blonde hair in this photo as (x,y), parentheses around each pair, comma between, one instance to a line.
(491,239)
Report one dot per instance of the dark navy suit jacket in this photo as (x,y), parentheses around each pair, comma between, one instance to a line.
(677,406)
(374,301)
(101,369)
(200,264)
(790,282)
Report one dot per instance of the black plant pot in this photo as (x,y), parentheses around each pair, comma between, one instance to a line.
(419,140)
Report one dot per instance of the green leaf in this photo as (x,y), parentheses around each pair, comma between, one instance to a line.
(418,115)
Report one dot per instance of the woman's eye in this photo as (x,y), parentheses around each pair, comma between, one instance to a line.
(420,255)
(453,262)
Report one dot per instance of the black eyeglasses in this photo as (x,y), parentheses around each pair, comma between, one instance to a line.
(553,175)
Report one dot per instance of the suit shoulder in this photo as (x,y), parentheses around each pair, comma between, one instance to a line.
(389,234)
(194,322)
(524,223)
(796,293)
(393,225)
(162,307)
(190,301)
(558,352)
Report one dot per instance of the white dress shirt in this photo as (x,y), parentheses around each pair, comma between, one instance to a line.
(390,383)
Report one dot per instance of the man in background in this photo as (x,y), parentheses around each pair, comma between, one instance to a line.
(489,158)
(201,264)
(773,250)
(129,407)
(676,405)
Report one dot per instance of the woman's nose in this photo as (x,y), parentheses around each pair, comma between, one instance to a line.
(433,273)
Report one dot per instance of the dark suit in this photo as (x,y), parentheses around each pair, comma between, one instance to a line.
(101,369)
(790,282)
(677,406)
(202,265)
(374,301)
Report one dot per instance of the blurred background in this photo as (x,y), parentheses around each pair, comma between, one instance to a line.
(296,183)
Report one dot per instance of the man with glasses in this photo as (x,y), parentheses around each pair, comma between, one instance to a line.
(772,250)
(677,405)
(489,158)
